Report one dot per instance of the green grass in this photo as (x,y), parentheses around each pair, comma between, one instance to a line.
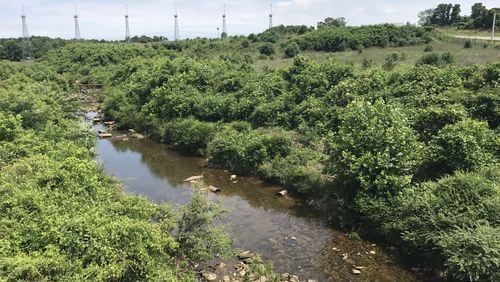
(466,32)
(475,55)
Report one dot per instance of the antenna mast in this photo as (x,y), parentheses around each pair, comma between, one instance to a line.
(176,25)
(77,26)
(224,26)
(26,45)
(271,17)
(127,27)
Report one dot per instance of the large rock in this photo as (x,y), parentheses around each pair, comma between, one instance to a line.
(209,276)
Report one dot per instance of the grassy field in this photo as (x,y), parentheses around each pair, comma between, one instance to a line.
(463,56)
(453,31)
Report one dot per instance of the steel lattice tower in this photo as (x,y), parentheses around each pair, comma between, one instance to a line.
(224,26)
(176,26)
(127,27)
(271,18)
(77,26)
(26,45)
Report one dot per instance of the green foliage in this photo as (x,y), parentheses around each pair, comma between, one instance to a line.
(329,22)
(334,39)
(468,44)
(466,145)
(292,49)
(10,127)
(61,218)
(189,134)
(198,239)
(435,59)
(456,221)
(267,49)
(292,126)
(374,148)
(430,121)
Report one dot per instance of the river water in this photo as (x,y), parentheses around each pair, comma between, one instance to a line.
(284,230)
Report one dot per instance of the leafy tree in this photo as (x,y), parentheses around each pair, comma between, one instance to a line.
(198,239)
(292,49)
(467,145)
(442,14)
(267,49)
(375,148)
(335,22)
(455,14)
(424,17)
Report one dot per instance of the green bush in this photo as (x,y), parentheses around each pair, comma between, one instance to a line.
(292,49)
(267,49)
(466,145)
(198,239)
(10,126)
(374,148)
(298,170)
(189,134)
(456,221)
(241,152)
(436,59)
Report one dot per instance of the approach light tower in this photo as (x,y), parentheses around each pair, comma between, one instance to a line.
(127,27)
(271,18)
(176,26)
(26,45)
(77,26)
(224,26)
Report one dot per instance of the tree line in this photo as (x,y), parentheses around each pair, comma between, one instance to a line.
(450,15)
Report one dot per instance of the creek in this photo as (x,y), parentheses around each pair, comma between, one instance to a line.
(287,231)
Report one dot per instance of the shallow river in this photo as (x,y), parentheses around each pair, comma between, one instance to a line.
(286,231)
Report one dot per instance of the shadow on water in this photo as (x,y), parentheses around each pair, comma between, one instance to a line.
(284,230)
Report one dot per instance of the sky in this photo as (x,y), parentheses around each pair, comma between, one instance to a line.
(104,19)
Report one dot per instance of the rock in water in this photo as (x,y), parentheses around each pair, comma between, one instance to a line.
(213,189)
(245,255)
(193,178)
(209,276)
(283,193)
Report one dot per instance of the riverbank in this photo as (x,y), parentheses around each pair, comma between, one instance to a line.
(287,231)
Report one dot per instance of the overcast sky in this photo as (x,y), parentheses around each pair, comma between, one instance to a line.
(105,18)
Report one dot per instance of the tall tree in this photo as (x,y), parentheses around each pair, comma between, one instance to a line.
(479,16)
(328,22)
(424,17)
(442,14)
(455,14)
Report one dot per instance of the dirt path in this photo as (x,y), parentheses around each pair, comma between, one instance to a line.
(496,38)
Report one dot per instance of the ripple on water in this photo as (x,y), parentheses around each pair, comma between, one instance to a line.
(258,220)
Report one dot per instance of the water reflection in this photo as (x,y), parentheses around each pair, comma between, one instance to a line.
(284,230)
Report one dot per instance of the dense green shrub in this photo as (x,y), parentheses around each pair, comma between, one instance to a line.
(10,126)
(267,49)
(292,49)
(374,148)
(198,239)
(428,122)
(436,59)
(456,221)
(62,219)
(189,134)
(466,145)
(341,38)
(298,170)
